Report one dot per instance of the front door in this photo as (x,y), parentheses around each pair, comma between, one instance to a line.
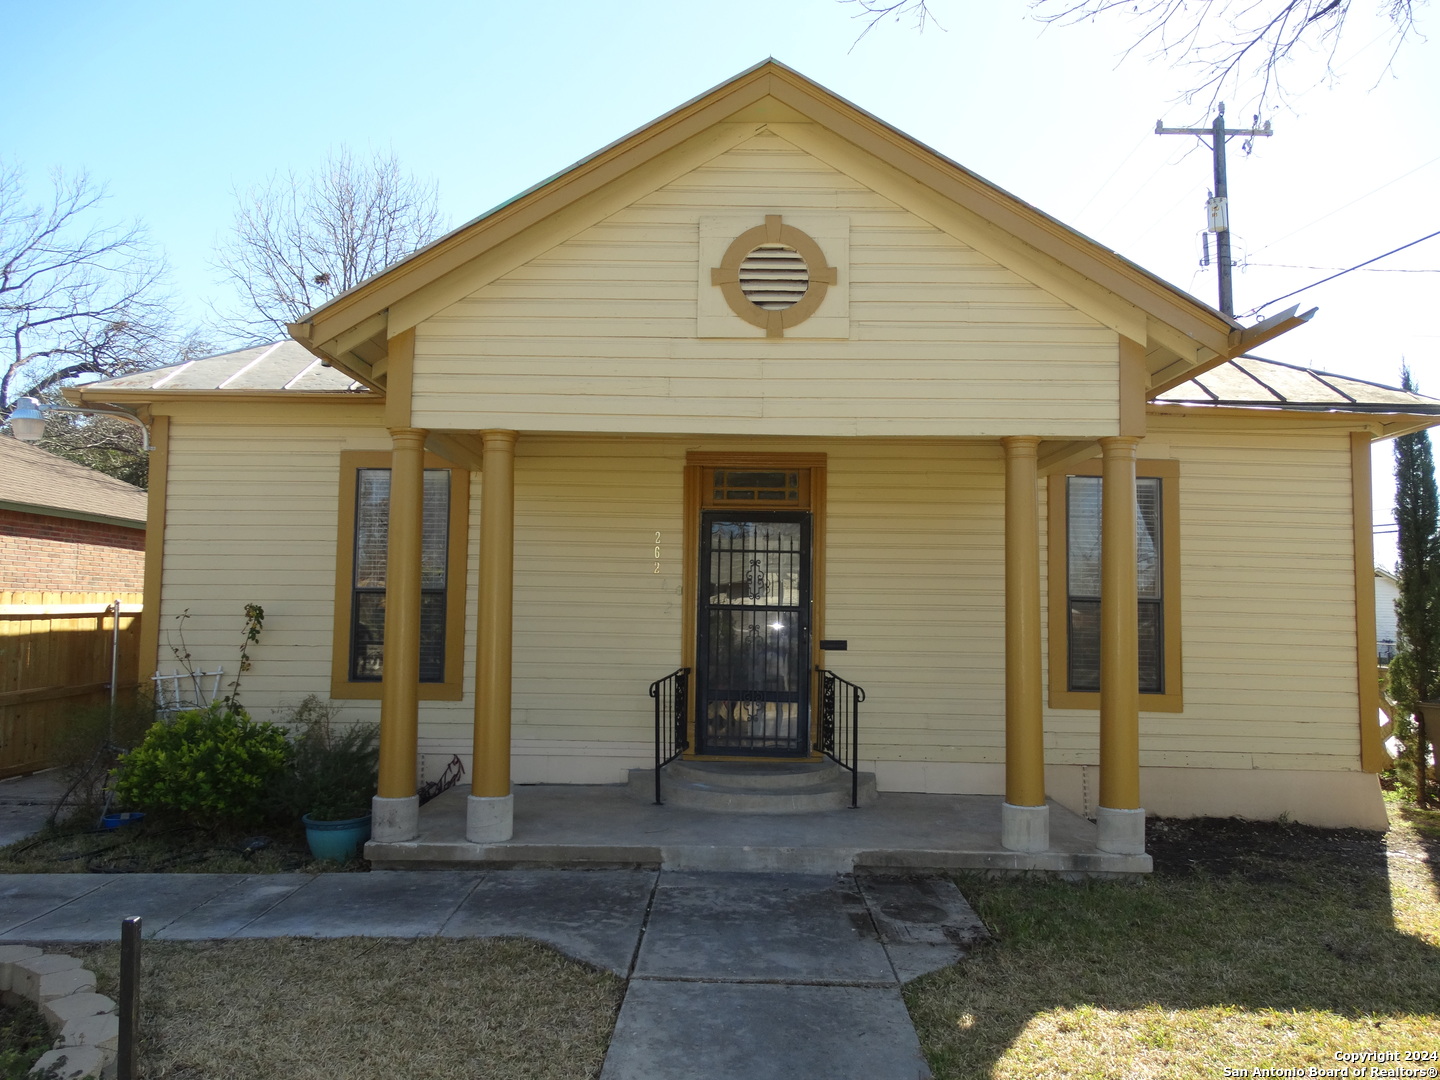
(753,634)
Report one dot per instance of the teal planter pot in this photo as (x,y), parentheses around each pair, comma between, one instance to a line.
(337,841)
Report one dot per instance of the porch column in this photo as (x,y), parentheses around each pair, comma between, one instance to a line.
(1024,817)
(490,815)
(396,807)
(1119,817)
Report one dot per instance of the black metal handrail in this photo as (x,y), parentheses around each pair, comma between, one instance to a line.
(840,726)
(672,728)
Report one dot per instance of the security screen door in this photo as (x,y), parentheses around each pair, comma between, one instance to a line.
(753,648)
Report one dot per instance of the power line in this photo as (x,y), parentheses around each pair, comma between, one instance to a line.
(1342,273)
(1376,270)
(1143,139)
(1352,202)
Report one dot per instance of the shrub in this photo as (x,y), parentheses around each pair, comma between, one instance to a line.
(331,774)
(212,765)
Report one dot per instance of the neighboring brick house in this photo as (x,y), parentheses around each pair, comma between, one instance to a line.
(67,528)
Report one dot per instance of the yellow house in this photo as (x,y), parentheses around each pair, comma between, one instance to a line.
(770,396)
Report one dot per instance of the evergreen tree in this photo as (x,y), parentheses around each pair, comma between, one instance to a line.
(1415,671)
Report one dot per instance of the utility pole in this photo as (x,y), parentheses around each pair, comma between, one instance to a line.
(1218,209)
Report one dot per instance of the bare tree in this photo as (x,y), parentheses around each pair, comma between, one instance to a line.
(77,297)
(299,241)
(1229,45)
(103,443)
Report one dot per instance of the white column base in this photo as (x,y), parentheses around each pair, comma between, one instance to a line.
(1121,832)
(1024,828)
(489,820)
(393,821)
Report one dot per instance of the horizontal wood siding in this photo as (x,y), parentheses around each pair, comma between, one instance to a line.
(600,332)
(1269,607)
(594,623)
(915,583)
(251,518)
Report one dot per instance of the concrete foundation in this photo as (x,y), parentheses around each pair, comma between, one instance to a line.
(1024,828)
(394,819)
(489,820)
(1121,832)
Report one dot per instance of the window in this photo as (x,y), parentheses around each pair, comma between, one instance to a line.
(362,551)
(1074,512)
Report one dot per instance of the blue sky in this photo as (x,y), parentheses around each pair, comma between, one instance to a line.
(175,106)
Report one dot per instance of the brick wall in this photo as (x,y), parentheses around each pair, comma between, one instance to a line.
(38,552)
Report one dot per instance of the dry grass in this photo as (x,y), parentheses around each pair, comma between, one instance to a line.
(1279,964)
(360,1008)
(157,846)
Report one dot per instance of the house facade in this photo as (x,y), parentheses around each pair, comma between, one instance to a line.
(763,388)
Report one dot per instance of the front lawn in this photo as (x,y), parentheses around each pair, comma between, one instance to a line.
(1252,946)
(423,1009)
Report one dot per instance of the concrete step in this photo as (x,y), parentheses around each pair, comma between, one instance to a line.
(753,787)
(756,775)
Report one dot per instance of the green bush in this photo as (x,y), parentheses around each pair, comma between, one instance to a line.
(331,773)
(211,765)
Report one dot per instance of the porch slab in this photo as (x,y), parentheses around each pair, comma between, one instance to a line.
(566,825)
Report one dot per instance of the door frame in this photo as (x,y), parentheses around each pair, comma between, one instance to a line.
(698,464)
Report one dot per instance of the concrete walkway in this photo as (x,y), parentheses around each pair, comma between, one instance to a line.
(740,975)
(25,803)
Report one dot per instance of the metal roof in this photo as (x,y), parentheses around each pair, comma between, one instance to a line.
(1252,382)
(285,365)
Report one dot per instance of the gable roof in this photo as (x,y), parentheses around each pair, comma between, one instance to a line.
(35,481)
(1182,334)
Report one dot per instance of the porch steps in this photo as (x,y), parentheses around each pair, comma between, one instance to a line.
(741,787)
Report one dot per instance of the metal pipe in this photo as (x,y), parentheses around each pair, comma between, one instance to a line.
(114,663)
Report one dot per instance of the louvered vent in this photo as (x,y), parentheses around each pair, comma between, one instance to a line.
(774,277)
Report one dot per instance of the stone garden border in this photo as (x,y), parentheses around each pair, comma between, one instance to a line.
(86,1025)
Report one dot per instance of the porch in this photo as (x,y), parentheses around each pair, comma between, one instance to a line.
(565,825)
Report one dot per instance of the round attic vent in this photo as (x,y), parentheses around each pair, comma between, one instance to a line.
(774,277)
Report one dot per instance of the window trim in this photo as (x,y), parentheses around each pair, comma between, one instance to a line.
(1060,697)
(457,562)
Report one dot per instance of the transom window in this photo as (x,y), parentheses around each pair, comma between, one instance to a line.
(760,487)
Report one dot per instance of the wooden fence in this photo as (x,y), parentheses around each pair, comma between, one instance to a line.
(55,654)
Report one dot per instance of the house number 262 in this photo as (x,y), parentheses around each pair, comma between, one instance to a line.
(657,552)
